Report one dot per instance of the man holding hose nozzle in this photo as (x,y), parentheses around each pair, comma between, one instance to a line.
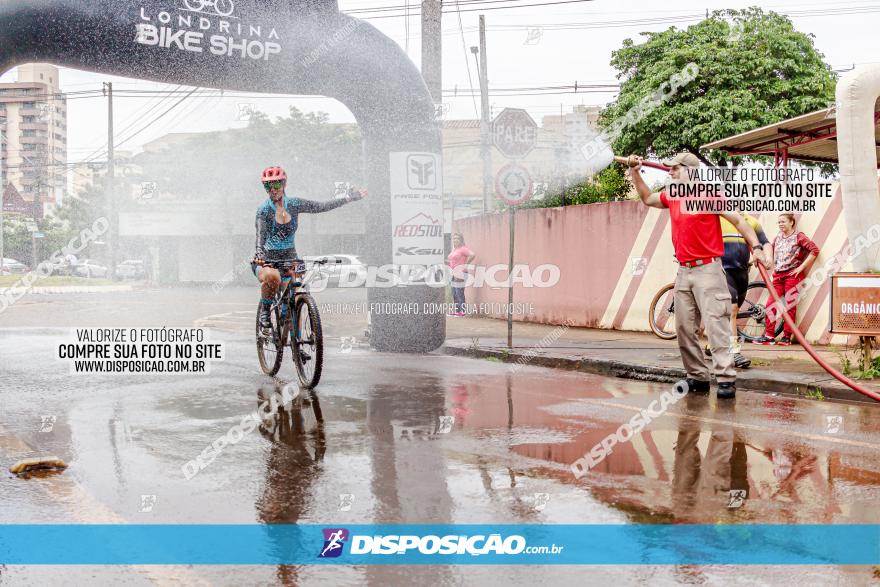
(700,286)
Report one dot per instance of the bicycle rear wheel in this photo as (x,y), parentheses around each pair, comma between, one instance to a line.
(751,319)
(307,341)
(661,313)
(270,345)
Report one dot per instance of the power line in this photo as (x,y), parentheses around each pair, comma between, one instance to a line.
(467,62)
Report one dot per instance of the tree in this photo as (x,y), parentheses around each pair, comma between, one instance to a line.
(313,152)
(755,69)
(609,184)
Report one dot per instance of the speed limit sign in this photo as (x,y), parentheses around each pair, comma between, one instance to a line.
(513,184)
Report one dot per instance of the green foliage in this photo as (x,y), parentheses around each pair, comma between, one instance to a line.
(313,152)
(813,393)
(610,184)
(768,73)
(867,367)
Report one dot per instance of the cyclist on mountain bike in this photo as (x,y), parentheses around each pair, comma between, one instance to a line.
(276,225)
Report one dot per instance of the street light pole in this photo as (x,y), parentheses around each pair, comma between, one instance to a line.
(110,183)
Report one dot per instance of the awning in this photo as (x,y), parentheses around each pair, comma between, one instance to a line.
(809,137)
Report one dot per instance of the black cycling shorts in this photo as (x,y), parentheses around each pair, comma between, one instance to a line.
(737,284)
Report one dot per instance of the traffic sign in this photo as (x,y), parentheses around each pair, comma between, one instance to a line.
(514,133)
(513,184)
(39,235)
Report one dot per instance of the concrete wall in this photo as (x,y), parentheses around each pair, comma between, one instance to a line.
(595,246)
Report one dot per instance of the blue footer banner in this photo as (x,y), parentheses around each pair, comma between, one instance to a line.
(453,544)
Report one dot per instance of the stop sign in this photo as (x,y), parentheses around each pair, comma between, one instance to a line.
(514,132)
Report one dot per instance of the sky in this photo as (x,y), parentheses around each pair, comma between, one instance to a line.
(527,47)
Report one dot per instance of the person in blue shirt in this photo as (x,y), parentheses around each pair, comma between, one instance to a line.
(276,224)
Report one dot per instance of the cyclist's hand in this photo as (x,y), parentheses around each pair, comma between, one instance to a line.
(356,194)
(259,259)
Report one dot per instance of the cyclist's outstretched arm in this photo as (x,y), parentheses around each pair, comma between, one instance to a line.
(312,207)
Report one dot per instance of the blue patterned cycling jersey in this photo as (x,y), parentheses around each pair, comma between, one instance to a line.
(275,242)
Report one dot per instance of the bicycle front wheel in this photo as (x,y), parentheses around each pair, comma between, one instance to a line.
(307,341)
(270,346)
(661,313)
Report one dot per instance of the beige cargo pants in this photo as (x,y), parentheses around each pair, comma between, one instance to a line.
(701,294)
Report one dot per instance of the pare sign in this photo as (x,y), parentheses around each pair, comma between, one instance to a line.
(197,31)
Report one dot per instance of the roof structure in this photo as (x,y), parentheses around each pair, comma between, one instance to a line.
(809,137)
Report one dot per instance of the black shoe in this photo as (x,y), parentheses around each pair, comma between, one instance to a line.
(784,341)
(765,340)
(741,362)
(265,319)
(695,385)
(727,390)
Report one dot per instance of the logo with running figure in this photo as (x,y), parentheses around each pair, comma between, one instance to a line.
(334,540)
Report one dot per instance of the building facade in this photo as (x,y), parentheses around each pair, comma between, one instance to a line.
(556,155)
(33,147)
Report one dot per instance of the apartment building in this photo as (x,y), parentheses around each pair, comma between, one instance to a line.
(33,137)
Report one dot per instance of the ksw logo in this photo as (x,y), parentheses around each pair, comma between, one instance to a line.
(418,251)
(421,172)
(334,540)
(419,225)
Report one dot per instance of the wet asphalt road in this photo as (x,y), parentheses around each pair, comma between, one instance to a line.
(374,434)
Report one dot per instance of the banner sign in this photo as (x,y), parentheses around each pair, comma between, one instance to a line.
(416,208)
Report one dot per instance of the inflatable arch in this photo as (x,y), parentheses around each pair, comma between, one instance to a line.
(276,46)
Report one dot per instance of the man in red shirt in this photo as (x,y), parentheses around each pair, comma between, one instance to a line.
(701,291)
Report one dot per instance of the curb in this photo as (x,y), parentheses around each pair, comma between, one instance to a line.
(760,380)
(62,289)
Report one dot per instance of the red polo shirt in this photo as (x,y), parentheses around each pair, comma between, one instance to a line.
(694,236)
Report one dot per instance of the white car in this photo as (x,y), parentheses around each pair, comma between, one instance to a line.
(130,269)
(9,266)
(349,267)
(91,268)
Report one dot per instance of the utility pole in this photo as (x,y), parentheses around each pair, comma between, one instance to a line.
(110,184)
(485,124)
(432,45)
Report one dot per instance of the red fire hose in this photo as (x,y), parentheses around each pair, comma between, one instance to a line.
(800,338)
(631,162)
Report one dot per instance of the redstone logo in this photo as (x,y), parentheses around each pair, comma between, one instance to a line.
(419,225)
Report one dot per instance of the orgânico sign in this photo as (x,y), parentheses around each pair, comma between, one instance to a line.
(514,132)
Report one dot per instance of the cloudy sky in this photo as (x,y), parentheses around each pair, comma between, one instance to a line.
(545,46)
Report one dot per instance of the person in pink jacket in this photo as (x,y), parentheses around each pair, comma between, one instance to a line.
(793,255)
(458,260)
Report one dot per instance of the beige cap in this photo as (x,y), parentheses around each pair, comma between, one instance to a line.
(684,158)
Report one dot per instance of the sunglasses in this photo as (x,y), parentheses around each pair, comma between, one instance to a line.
(273,185)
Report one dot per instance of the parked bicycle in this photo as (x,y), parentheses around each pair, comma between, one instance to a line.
(295,324)
(751,319)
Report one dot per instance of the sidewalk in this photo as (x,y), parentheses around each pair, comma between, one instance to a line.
(643,356)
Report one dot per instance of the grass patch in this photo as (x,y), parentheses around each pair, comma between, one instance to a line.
(53,281)
(760,363)
(812,393)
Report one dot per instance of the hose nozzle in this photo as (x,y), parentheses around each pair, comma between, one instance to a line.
(631,161)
